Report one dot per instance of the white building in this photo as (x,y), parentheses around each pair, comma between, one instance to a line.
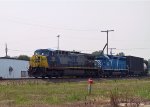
(13,68)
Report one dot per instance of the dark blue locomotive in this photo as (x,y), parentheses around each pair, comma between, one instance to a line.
(58,63)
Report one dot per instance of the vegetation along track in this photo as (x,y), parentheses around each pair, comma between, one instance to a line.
(72,92)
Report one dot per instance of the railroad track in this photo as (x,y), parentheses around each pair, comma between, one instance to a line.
(66,79)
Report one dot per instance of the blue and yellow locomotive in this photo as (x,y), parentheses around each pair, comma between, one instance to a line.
(58,63)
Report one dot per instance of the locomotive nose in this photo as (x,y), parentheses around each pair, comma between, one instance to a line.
(37,59)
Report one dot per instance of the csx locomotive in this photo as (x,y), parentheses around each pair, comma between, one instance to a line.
(59,63)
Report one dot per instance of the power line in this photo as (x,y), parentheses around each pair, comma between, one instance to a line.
(51,27)
(111,49)
(19,50)
(132,48)
(83,50)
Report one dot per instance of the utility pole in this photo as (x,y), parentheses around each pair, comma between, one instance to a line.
(58,42)
(6,50)
(111,49)
(107,37)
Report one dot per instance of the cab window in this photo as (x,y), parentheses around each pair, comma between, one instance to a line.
(42,52)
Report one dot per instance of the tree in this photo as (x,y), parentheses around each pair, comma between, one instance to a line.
(24,57)
(121,54)
(97,53)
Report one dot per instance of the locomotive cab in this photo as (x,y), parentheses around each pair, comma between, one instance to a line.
(38,63)
(39,59)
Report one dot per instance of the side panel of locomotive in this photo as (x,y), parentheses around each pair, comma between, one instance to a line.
(112,65)
(67,59)
(71,60)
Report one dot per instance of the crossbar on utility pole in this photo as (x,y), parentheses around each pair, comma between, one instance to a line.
(111,49)
(107,37)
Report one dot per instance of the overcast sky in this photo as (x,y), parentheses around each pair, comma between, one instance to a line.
(27,25)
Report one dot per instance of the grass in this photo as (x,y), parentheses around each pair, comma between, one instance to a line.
(38,92)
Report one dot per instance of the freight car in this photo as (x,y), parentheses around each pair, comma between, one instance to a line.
(58,63)
(121,65)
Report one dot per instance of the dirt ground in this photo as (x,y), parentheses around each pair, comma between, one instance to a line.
(93,103)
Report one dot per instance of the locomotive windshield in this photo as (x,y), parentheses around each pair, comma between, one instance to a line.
(42,52)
